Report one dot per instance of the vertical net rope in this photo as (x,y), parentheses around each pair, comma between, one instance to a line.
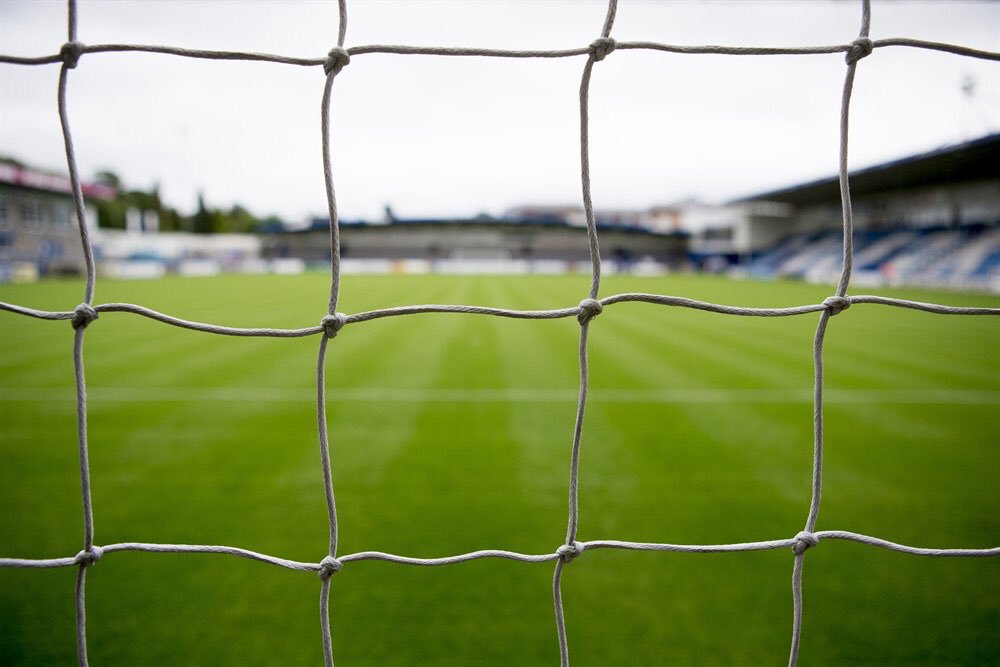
(588,309)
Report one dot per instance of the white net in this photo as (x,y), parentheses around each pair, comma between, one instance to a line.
(589,308)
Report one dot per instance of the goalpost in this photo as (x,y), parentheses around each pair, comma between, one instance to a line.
(570,547)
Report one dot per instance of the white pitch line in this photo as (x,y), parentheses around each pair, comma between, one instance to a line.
(522,395)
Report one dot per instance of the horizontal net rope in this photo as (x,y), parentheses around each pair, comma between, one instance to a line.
(402,49)
(765,545)
(589,308)
(559,313)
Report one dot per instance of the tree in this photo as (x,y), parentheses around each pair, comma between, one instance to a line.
(108,177)
(202,222)
(206,220)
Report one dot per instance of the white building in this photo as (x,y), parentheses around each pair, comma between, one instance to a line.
(39,234)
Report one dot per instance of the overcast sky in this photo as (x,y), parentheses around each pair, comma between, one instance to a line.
(457,136)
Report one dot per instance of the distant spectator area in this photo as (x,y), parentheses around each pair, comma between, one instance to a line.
(538,244)
(930,220)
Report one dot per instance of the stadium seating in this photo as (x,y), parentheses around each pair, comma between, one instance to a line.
(965,257)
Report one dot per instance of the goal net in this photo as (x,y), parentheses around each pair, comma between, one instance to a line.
(570,546)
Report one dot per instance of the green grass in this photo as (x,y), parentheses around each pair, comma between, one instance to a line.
(206,439)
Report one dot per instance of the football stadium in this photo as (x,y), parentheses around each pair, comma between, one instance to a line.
(754,432)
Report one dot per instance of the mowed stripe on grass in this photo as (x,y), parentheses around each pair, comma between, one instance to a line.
(451,433)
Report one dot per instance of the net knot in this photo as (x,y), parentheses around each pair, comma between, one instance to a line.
(860,48)
(803,541)
(837,304)
(569,552)
(89,556)
(83,315)
(589,309)
(333,323)
(337,58)
(601,47)
(70,53)
(328,567)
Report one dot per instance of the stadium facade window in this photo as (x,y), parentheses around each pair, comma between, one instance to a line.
(61,214)
(31,213)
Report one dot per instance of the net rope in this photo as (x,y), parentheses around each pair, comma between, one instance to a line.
(589,308)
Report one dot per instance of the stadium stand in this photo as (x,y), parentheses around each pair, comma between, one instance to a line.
(967,257)
(543,243)
(929,220)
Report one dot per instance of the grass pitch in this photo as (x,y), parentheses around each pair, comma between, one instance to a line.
(452,433)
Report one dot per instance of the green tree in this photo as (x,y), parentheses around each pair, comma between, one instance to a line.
(202,221)
(206,220)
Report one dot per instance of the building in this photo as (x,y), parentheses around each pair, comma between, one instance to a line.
(506,245)
(39,235)
(929,219)
(572,214)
